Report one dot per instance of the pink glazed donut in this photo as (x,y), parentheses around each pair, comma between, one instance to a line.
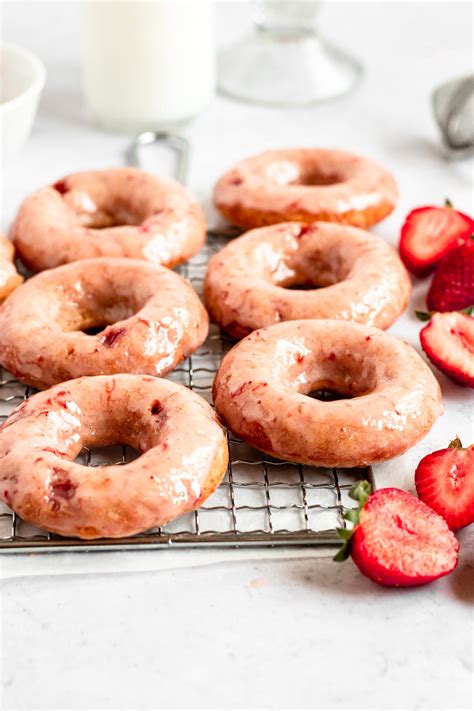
(122,212)
(261,393)
(347,273)
(149,319)
(9,277)
(306,185)
(183,456)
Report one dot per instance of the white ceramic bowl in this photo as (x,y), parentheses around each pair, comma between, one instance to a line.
(22,77)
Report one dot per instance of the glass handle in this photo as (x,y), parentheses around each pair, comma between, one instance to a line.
(178,144)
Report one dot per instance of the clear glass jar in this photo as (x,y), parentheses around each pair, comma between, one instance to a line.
(286,62)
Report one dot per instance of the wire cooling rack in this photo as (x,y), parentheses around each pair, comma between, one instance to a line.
(261,501)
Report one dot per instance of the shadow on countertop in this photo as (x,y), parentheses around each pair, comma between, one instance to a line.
(345,580)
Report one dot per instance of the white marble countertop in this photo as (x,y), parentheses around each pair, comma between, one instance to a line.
(262,633)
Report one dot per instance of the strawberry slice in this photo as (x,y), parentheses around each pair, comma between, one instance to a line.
(445,481)
(452,287)
(429,233)
(397,540)
(448,341)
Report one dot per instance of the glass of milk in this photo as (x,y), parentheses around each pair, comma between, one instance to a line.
(148,64)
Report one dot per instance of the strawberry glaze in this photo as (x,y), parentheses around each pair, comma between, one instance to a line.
(361,278)
(151,319)
(306,184)
(184,456)
(261,392)
(9,277)
(122,212)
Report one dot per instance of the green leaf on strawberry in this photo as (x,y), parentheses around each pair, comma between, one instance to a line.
(360,492)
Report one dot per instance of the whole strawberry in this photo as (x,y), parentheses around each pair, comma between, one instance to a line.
(429,234)
(448,341)
(445,481)
(452,287)
(397,540)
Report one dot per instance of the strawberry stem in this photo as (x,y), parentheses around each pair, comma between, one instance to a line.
(360,492)
(424,315)
(455,443)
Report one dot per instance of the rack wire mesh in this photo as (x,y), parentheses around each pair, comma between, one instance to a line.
(261,501)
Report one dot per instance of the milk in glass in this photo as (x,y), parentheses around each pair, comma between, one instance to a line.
(148,64)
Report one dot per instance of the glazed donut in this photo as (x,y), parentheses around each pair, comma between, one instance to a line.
(122,212)
(150,319)
(248,283)
(9,277)
(307,185)
(183,448)
(261,393)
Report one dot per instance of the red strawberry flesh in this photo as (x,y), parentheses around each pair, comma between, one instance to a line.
(452,287)
(402,542)
(448,341)
(445,481)
(429,233)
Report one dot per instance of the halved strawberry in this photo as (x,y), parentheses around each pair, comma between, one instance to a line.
(398,540)
(448,341)
(445,481)
(452,287)
(429,233)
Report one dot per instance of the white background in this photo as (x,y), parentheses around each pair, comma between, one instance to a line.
(300,633)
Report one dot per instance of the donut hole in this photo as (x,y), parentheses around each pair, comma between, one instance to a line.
(94,330)
(115,215)
(94,305)
(120,426)
(338,375)
(301,282)
(301,286)
(288,172)
(95,323)
(101,207)
(116,437)
(326,395)
(316,271)
(298,261)
(330,390)
(114,454)
(317,177)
